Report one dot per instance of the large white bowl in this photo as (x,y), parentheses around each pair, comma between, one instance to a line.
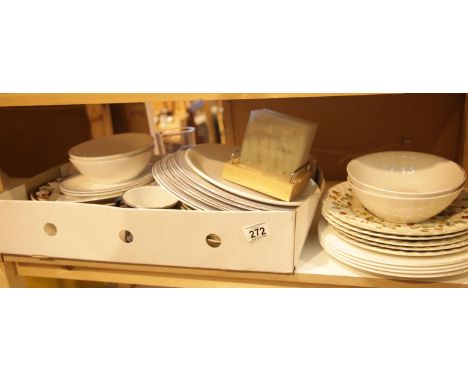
(364,187)
(406,173)
(111,147)
(116,170)
(403,210)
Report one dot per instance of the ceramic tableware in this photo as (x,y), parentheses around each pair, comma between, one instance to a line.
(111,147)
(402,242)
(406,174)
(116,170)
(449,237)
(342,205)
(79,185)
(387,264)
(149,197)
(403,210)
(178,161)
(207,160)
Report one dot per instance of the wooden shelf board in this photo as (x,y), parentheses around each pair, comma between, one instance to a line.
(316,268)
(47,99)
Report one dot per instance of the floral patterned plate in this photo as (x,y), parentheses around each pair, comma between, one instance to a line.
(341,204)
(416,241)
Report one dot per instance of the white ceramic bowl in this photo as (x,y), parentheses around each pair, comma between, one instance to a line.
(111,147)
(364,187)
(116,170)
(406,174)
(403,210)
(149,197)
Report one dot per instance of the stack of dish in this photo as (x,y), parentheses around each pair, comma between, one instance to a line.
(405,186)
(194,176)
(80,186)
(108,167)
(437,247)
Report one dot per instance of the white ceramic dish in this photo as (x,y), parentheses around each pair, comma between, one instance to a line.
(403,210)
(149,197)
(402,243)
(163,180)
(116,170)
(328,234)
(406,174)
(395,272)
(79,185)
(341,204)
(184,170)
(111,147)
(193,192)
(376,234)
(208,160)
(400,251)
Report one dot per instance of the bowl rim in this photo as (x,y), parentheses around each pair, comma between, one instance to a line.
(118,158)
(458,190)
(409,194)
(416,195)
(113,156)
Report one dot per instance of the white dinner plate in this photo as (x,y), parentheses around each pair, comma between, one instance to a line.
(401,271)
(79,185)
(185,198)
(395,273)
(208,160)
(400,252)
(184,170)
(180,183)
(329,236)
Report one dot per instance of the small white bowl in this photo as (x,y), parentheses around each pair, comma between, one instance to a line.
(149,197)
(406,173)
(111,147)
(403,210)
(114,170)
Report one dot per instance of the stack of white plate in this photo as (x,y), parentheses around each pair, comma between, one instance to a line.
(194,176)
(79,186)
(437,247)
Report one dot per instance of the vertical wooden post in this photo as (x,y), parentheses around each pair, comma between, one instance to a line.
(229,128)
(465,137)
(100,120)
(3,185)
(8,276)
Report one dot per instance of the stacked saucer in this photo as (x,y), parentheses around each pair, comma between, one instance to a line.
(437,247)
(194,175)
(79,186)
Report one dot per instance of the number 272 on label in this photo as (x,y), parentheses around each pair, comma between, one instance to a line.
(256,231)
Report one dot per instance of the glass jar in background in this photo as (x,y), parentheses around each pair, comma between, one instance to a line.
(174,139)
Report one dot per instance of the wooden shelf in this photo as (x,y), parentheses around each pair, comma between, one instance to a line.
(316,268)
(45,99)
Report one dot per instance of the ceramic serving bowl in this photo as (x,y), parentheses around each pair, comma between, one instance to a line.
(112,147)
(406,174)
(403,209)
(149,197)
(116,170)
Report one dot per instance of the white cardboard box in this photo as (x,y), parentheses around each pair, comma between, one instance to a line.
(160,237)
